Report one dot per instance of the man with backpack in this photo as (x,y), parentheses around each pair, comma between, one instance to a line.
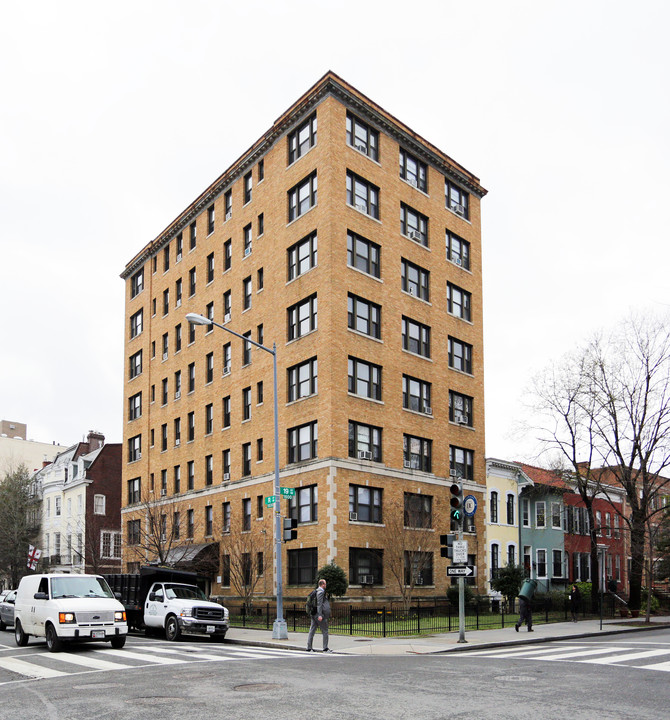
(319,612)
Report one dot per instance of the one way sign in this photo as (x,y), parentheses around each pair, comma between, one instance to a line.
(461,571)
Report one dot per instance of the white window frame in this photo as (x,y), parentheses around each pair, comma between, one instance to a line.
(537,563)
(99,504)
(542,503)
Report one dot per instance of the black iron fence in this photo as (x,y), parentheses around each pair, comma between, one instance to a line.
(423,617)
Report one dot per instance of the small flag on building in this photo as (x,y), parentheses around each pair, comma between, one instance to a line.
(33,556)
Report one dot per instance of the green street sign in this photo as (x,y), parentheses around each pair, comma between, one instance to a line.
(270,500)
(287,492)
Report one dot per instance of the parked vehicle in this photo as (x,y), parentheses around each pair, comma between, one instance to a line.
(66,607)
(171,601)
(7,609)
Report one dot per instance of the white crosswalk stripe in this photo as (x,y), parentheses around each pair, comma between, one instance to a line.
(589,654)
(38,663)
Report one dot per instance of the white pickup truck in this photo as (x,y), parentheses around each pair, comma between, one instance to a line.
(177,608)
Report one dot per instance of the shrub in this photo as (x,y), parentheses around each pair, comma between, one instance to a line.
(336,579)
(655,604)
(452,594)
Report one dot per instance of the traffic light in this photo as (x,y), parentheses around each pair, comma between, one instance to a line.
(457,502)
(447,541)
(290,531)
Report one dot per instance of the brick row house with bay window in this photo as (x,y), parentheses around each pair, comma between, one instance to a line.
(354,245)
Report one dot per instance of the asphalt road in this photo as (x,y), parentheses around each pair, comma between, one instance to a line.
(195,679)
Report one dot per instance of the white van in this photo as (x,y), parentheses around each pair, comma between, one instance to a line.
(68,607)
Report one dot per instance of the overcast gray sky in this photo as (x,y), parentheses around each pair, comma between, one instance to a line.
(114,116)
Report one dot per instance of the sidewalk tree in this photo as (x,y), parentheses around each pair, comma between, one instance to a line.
(508,581)
(245,562)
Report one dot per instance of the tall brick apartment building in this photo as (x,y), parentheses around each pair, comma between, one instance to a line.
(354,245)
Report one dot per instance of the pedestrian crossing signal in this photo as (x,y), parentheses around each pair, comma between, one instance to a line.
(290,532)
(447,549)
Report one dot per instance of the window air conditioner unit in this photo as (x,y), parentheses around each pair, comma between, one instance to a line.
(229,214)
(163,491)
(362,149)
(458,208)
(177,395)
(453,473)
(138,456)
(226,317)
(177,442)
(419,580)
(406,464)
(367,579)
(364,455)
(457,260)
(226,477)
(362,208)
(428,410)
(414,235)
(412,182)
(165,356)
(460,418)
(411,290)
(353,516)
(247,250)
(226,369)
(179,302)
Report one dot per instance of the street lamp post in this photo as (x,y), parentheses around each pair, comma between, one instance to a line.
(279,629)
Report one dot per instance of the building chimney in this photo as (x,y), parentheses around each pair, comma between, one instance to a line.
(95,440)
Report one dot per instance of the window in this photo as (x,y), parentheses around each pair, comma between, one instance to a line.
(179,247)
(164,437)
(227,255)
(166,259)
(415,280)
(99,504)
(417,452)
(133,532)
(365,503)
(246,293)
(303,442)
(366,566)
(178,292)
(259,279)
(210,268)
(302,197)
(134,449)
(525,510)
(164,391)
(418,567)
(227,306)
(190,522)
(177,384)
(177,431)
(416,395)
(365,441)
(556,515)
(135,365)
(246,459)
(210,219)
(137,283)
(136,324)
(259,392)
(190,474)
(365,379)
(134,490)
(456,199)
(209,469)
(462,461)
(177,338)
(493,507)
(460,355)
(302,139)
(304,505)
(540,520)
(302,380)
(191,333)
(153,307)
(225,463)
(259,334)
(510,509)
(191,426)
(228,204)
(135,406)
(193,233)
(302,317)
(191,377)
(176,525)
(210,316)
(617,533)
(362,137)
(302,566)
(458,302)
(176,477)
(225,570)
(246,404)
(458,250)
(209,419)
(302,256)
(247,245)
(460,408)
(261,176)
(259,450)
(209,368)
(364,316)
(246,349)
(363,254)
(225,514)
(413,171)
(191,282)
(557,563)
(110,545)
(415,337)
(362,195)
(226,357)
(608,525)
(246,514)
(166,345)
(413,224)
(261,224)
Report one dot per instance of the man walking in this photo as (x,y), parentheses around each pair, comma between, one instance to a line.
(525,614)
(320,618)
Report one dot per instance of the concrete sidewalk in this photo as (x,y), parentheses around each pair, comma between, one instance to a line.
(447,642)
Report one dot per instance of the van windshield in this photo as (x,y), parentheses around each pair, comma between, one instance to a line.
(184,592)
(80,586)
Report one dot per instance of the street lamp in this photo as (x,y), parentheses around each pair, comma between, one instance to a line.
(602,552)
(279,630)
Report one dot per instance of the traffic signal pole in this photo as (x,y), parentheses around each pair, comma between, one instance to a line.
(461,591)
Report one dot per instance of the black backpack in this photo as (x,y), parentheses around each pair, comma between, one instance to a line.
(310,605)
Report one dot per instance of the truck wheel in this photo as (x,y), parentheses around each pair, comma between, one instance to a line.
(219,638)
(2,625)
(54,643)
(20,637)
(172,629)
(118,641)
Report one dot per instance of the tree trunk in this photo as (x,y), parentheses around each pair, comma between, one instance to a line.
(637,536)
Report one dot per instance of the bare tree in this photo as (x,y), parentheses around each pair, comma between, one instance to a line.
(19,523)
(246,561)
(409,545)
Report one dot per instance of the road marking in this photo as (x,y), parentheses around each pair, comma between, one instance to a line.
(628,656)
(92,663)
(31,670)
(582,653)
(664,667)
(187,653)
(520,651)
(130,655)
